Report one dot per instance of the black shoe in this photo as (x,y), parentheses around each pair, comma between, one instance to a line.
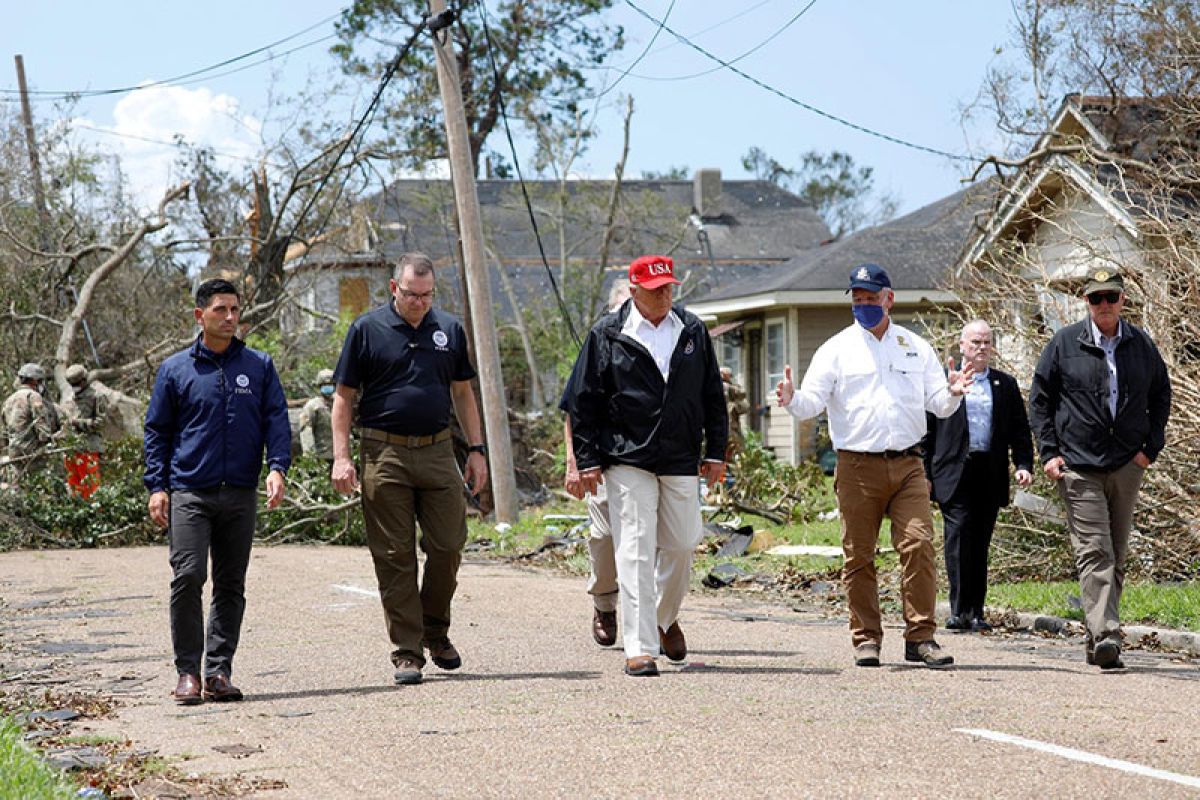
(958,623)
(980,625)
(1107,655)
(928,653)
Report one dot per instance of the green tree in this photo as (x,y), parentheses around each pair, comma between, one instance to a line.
(842,192)
(542,49)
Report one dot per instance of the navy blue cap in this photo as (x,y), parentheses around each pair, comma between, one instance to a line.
(871,277)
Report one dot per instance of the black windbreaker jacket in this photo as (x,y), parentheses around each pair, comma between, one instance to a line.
(623,413)
(1068,401)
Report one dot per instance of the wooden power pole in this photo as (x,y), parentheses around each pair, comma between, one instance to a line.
(35,167)
(487,353)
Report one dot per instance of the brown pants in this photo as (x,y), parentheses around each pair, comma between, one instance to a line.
(402,487)
(1100,516)
(869,487)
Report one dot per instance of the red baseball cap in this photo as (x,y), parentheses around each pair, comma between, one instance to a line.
(651,272)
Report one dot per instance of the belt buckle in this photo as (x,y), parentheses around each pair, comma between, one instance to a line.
(414,441)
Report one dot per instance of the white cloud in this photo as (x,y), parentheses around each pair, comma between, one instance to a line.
(147,122)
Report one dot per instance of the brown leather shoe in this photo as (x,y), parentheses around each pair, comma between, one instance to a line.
(187,691)
(673,645)
(604,627)
(641,667)
(443,653)
(219,689)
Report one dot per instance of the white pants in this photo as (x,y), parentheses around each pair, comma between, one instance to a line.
(602,583)
(656,526)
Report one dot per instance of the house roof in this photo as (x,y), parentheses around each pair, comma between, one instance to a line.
(918,250)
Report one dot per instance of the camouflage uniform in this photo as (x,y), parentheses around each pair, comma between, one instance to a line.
(29,420)
(86,411)
(736,405)
(316,422)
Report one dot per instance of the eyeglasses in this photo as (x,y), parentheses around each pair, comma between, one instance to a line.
(407,295)
(1112,298)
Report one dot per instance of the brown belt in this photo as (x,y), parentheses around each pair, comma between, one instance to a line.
(405,441)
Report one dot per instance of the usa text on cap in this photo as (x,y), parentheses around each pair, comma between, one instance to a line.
(651,272)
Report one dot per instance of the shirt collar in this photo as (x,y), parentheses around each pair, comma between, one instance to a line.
(1097,335)
(635,319)
(398,320)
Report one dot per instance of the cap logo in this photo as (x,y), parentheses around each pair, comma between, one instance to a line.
(1102,275)
(658,268)
(862,274)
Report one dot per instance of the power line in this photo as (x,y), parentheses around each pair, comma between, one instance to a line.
(562,305)
(744,55)
(645,50)
(807,107)
(165,143)
(59,94)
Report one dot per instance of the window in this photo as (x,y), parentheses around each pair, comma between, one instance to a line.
(354,296)
(776,355)
(729,355)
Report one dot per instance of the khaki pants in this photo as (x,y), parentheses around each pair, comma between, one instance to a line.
(868,488)
(602,583)
(402,487)
(656,526)
(1100,515)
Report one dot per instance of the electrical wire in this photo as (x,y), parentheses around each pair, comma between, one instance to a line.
(562,305)
(165,143)
(645,50)
(806,106)
(58,94)
(744,55)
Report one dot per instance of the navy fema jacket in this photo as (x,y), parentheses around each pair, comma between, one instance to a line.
(210,417)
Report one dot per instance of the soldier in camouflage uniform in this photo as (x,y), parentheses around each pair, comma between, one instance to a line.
(85,412)
(30,420)
(736,405)
(316,430)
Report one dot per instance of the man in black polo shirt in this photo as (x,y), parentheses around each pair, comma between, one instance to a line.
(409,361)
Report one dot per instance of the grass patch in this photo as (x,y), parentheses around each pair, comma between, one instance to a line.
(1171,605)
(22,773)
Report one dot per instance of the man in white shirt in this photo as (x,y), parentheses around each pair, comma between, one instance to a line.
(648,419)
(876,380)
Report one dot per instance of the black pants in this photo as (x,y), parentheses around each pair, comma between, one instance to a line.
(969,518)
(221,521)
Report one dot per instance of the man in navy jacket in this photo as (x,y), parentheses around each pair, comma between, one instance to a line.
(215,407)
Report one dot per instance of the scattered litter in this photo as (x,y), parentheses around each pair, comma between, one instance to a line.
(737,542)
(723,575)
(57,715)
(826,551)
(825,516)
(1074,602)
(503,527)
(237,750)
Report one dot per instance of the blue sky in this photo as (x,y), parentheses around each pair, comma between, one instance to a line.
(900,68)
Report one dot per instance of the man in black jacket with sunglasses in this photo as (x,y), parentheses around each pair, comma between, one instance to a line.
(1098,406)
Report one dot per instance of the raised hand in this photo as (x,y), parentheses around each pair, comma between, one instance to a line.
(959,380)
(786,388)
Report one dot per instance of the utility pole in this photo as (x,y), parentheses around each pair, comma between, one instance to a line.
(35,167)
(487,353)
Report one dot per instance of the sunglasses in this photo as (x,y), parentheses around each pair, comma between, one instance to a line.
(1112,298)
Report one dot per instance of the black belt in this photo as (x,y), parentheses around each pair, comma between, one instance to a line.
(915,450)
(406,441)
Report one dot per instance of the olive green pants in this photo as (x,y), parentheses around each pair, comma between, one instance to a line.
(404,487)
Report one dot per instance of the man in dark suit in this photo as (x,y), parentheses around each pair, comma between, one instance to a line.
(966,461)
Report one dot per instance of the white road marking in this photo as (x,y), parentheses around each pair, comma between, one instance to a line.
(356,590)
(1084,756)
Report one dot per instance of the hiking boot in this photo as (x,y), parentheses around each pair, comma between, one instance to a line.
(928,653)
(408,671)
(1107,655)
(443,653)
(866,654)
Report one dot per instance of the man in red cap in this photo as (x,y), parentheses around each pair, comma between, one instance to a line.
(648,417)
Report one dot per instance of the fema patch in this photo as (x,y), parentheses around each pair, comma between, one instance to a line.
(242,381)
(691,345)
(440,338)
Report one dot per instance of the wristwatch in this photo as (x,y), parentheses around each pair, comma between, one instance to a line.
(478,448)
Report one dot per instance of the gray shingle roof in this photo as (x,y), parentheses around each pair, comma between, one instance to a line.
(918,250)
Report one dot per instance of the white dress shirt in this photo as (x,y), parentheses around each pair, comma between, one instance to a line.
(876,391)
(659,340)
(1109,345)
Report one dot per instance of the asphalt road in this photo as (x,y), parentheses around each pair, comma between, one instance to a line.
(768,704)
